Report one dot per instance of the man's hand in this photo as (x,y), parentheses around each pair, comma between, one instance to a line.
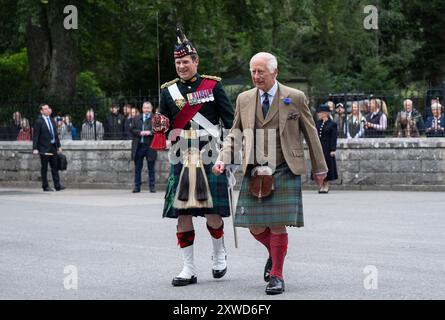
(319,178)
(60,150)
(35,152)
(332,154)
(218,168)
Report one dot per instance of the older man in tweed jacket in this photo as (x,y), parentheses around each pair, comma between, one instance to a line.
(280,118)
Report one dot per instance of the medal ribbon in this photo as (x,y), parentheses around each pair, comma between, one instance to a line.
(188,112)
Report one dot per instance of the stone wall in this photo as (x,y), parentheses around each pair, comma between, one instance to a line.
(366,164)
(392,164)
(91,164)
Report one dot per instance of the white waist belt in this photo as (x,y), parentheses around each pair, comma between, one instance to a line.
(196,133)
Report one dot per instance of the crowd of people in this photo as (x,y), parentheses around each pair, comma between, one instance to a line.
(117,126)
(369,119)
(357,119)
(50,131)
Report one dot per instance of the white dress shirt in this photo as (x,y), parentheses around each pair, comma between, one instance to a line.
(272,92)
(50,128)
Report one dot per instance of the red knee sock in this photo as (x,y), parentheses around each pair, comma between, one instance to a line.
(278,247)
(264,238)
(186,239)
(216,233)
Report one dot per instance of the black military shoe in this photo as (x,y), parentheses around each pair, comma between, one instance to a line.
(60,188)
(181,282)
(135,190)
(48,189)
(275,286)
(218,274)
(267,269)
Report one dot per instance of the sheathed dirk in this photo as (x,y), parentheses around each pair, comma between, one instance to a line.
(231,182)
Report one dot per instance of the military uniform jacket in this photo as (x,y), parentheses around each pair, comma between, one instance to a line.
(214,111)
(218,111)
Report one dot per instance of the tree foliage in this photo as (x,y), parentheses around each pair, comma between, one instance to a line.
(116,47)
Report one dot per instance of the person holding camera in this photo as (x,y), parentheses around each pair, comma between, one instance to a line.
(409,122)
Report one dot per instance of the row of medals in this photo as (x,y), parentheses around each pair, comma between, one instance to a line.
(195,98)
(200,97)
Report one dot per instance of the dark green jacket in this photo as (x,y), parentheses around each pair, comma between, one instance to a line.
(214,111)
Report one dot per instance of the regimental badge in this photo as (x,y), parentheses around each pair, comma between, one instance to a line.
(180,103)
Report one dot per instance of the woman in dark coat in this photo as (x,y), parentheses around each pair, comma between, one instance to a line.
(327,131)
(15,126)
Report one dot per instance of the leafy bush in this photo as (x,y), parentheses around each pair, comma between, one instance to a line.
(14,74)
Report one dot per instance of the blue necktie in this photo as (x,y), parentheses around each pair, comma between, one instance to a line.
(51,130)
(266,104)
(143,127)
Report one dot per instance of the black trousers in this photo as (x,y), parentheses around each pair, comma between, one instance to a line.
(52,161)
(141,154)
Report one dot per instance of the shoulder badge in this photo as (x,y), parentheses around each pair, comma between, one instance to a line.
(211,77)
(170,83)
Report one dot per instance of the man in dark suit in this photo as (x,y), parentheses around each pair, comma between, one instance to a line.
(46,143)
(114,124)
(141,130)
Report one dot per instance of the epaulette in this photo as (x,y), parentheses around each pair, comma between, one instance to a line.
(211,77)
(168,84)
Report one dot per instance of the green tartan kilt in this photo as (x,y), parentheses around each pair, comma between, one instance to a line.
(283,208)
(218,190)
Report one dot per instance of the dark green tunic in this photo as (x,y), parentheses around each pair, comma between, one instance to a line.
(219,111)
(214,111)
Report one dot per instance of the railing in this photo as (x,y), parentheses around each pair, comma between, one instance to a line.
(75,109)
(399,124)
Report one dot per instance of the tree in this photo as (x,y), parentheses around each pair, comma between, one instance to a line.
(52,50)
(427,23)
(115,49)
